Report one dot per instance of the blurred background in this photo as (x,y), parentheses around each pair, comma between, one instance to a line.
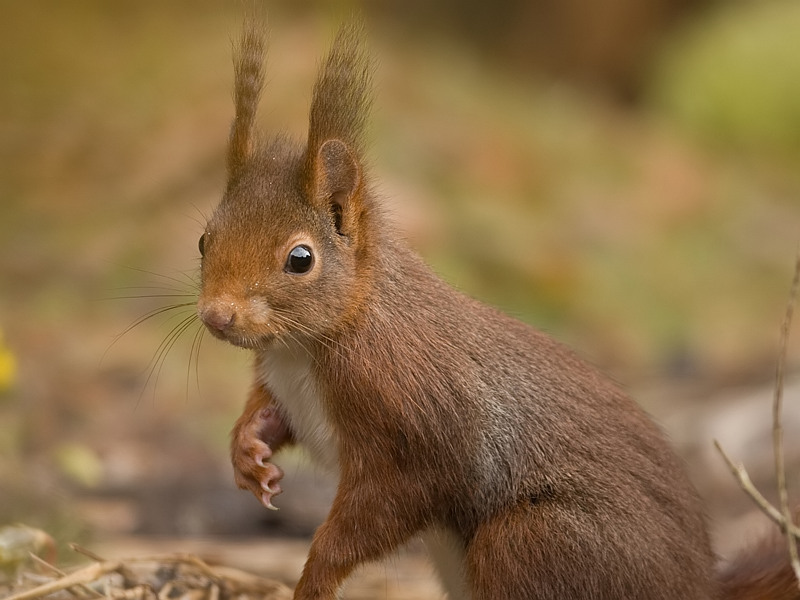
(623,175)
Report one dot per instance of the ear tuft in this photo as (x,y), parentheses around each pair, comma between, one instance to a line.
(339,106)
(342,93)
(249,58)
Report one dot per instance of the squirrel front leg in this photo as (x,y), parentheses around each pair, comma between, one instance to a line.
(367,521)
(258,433)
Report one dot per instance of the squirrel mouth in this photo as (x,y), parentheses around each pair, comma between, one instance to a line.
(239,339)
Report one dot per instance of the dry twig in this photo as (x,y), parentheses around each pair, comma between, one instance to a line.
(741,475)
(783,515)
(80,577)
(777,428)
(83,591)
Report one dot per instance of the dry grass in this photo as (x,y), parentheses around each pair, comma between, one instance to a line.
(181,577)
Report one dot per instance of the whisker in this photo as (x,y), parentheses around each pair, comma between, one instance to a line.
(281,321)
(202,220)
(194,351)
(197,360)
(154,313)
(151,287)
(283,341)
(145,317)
(163,350)
(180,286)
(191,278)
(144,296)
(311,333)
(304,348)
(329,343)
(290,323)
(180,282)
(167,339)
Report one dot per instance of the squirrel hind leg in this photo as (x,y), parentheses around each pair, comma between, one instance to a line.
(551,551)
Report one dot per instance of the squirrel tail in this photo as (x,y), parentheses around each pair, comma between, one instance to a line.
(761,572)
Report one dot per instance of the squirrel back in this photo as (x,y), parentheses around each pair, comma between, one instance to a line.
(530,474)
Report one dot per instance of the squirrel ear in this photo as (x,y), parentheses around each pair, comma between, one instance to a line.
(337,179)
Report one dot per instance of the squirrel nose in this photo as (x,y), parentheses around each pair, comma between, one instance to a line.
(217,316)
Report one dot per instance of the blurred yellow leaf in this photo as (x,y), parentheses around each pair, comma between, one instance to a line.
(8,366)
(80,463)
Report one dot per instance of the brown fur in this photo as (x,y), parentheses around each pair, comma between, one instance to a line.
(442,414)
(761,572)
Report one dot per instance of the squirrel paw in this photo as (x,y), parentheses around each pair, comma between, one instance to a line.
(251,450)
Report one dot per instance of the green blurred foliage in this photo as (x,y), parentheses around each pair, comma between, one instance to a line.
(733,77)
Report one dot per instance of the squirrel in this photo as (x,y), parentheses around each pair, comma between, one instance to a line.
(526,472)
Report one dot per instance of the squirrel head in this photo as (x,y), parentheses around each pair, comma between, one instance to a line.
(288,250)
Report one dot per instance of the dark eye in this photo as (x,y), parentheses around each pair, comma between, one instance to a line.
(201,245)
(300,260)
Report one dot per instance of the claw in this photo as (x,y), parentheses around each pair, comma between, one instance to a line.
(267,501)
(266,488)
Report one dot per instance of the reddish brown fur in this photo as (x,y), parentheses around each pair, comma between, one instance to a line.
(444,413)
(761,572)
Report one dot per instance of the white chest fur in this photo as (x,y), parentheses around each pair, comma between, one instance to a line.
(448,559)
(287,372)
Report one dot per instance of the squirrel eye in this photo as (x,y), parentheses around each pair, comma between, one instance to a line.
(300,260)
(201,245)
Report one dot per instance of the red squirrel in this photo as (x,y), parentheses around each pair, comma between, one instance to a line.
(528,474)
